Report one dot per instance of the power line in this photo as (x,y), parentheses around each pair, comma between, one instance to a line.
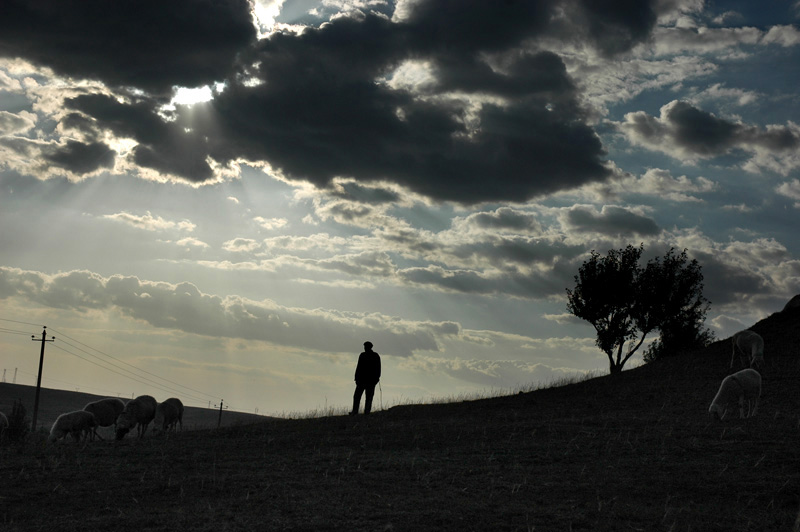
(133,376)
(21,322)
(62,334)
(14,331)
(156,385)
(74,384)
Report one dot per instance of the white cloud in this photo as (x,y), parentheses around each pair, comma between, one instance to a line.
(783,35)
(241,245)
(718,92)
(7,83)
(16,123)
(265,12)
(493,373)
(609,83)
(701,39)
(657,183)
(790,189)
(192,242)
(148,222)
(316,242)
(563,318)
(271,223)
(743,208)
(184,307)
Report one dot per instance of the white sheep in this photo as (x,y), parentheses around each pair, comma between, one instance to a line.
(168,415)
(79,423)
(138,413)
(743,387)
(751,348)
(106,411)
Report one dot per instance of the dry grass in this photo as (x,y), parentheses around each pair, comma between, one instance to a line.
(630,452)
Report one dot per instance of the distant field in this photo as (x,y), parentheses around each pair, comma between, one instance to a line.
(53,403)
(629,452)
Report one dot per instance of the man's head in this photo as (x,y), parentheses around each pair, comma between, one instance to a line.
(367,345)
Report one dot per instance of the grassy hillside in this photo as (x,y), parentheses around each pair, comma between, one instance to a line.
(636,451)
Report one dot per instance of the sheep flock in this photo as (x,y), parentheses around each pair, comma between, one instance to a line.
(137,413)
(744,386)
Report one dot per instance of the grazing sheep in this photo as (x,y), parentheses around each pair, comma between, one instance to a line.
(750,346)
(743,387)
(138,413)
(78,423)
(106,411)
(168,415)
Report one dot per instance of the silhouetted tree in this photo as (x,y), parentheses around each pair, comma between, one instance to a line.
(625,302)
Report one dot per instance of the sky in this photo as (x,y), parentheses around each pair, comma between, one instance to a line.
(223,200)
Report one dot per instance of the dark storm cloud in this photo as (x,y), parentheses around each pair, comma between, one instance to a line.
(322,106)
(505,218)
(511,283)
(81,158)
(726,282)
(354,191)
(148,44)
(612,26)
(615,26)
(164,146)
(683,128)
(610,221)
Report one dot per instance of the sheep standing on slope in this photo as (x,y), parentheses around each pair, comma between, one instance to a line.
(168,415)
(106,412)
(743,387)
(751,348)
(138,413)
(77,423)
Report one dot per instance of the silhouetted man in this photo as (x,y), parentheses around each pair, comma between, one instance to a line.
(368,373)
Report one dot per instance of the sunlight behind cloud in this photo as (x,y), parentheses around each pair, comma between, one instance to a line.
(186,96)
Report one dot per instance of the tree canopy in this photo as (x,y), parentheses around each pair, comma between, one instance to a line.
(625,302)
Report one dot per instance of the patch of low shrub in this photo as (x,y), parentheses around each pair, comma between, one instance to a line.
(18,423)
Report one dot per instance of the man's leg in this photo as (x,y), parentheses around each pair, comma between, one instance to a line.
(368,402)
(357,399)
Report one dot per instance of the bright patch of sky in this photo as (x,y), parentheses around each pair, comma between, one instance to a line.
(186,96)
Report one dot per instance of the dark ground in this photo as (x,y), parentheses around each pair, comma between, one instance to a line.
(635,451)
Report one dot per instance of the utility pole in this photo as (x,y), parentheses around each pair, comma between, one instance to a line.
(15,375)
(39,378)
(219,419)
